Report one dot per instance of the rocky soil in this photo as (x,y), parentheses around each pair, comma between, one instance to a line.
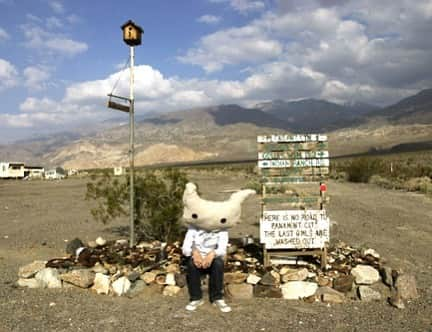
(38,219)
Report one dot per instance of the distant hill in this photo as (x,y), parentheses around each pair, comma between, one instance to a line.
(228,132)
(231,114)
(415,109)
(312,115)
(360,108)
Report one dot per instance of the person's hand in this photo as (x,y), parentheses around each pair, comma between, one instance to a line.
(208,259)
(197,259)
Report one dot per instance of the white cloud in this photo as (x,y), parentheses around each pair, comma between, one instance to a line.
(57,7)
(33,18)
(45,36)
(47,41)
(35,105)
(232,46)
(35,77)
(53,23)
(209,19)
(243,6)
(379,45)
(8,74)
(72,18)
(49,114)
(149,84)
(3,35)
(66,46)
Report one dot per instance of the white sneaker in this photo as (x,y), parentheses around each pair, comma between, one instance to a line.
(222,305)
(194,304)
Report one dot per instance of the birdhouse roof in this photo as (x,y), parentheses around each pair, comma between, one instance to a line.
(130,22)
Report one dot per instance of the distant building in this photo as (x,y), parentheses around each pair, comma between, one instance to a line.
(72,172)
(54,174)
(119,171)
(11,170)
(34,172)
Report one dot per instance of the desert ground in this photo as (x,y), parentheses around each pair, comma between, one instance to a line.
(37,218)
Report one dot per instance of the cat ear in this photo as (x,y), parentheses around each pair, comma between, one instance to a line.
(241,195)
(190,188)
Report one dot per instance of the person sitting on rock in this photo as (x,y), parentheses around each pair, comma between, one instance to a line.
(206,242)
(205,252)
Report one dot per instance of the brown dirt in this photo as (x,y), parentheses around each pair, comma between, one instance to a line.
(37,217)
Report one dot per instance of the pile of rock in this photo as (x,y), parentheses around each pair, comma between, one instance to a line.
(351,274)
(110,268)
(114,268)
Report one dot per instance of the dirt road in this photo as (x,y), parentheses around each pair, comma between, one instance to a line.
(36,218)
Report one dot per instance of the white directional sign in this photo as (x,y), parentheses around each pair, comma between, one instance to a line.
(281,163)
(294,229)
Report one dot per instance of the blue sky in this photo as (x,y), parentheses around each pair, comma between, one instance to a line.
(59,58)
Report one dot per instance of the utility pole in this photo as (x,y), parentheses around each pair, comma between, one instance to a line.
(132,37)
(131,150)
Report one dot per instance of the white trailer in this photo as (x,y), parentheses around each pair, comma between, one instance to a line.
(11,170)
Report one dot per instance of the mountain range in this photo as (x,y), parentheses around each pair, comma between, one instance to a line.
(228,132)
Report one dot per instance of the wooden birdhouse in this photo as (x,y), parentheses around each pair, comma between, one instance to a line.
(132,33)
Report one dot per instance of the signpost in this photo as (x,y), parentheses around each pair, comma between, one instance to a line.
(293,169)
(132,37)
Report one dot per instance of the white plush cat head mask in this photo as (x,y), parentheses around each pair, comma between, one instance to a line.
(210,215)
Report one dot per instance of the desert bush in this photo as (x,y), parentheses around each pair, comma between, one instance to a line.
(254,184)
(158,202)
(361,169)
(381,181)
(423,184)
(336,173)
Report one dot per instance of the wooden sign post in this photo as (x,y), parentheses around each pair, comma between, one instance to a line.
(293,171)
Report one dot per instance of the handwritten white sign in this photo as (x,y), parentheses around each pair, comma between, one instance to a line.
(294,229)
(296,154)
(291,138)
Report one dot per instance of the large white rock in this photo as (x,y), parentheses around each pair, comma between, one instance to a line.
(296,275)
(121,286)
(98,268)
(365,275)
(239,291)
(368,294)
(49,278)
(171,290)
(101,283)
(170,279)
(148,277)
(406,287)
(100,241)
(253,279)
(294,290)
(371,252)
(29,270)
(30,283)
(82,278)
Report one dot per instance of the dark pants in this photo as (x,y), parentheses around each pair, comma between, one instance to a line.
(216,272)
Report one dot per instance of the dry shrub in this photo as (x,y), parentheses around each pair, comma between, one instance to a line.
(423,184)
(361,169)
(381,181)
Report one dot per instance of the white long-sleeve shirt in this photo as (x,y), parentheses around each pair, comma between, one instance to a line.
(205,242)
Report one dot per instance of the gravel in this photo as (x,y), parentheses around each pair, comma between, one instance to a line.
(36,217)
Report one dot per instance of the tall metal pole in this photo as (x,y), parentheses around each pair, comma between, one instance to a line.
(131,149)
